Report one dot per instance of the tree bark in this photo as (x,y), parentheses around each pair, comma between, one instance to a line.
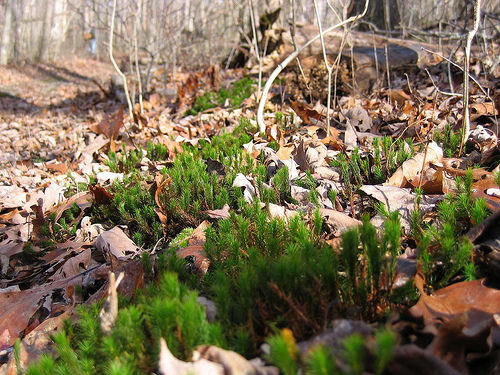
(44,46)
(384,14)
(6,45)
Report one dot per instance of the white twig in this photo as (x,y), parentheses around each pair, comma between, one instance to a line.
(329,69)
(291,57)
(470,36)
(459,67)
(115,65)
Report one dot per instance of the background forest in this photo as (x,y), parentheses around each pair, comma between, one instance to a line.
(249,187)
(196,33)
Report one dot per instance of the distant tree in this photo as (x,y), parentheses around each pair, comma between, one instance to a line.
(6,42)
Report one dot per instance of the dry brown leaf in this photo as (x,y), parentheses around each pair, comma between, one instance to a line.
(8,248)
(169,365)
(12,197)
(74,265)
(88,152)
(333,140)
(453,300)
(39,220)
(19,307)
(482,109)
(417,171)
(399,96)
(310,155)
(338,222)
(116,243)
(305,112)
(81,199)
(412,360)
(195,249)
(109,311)
(467,334)
(161,183)
(173,147)
(398,199)
(486,240)
(350,136)
(244,183)
(359,119)
(232,362)
(285,152)
(487,141)
(57,167)
(223,213)
(110,125)
(100,194)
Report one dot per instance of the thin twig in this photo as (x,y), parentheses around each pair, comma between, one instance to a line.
(437,88)
(470,36)
(293,27)
(459,67)
(292,56)
(329,69)
(115,65)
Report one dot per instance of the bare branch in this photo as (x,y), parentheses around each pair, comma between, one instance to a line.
(291,57)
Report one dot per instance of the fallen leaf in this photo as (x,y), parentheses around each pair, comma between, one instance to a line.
(232,362)
(214,166)
(169,365)
(398,199)
(57,167)
(116,243)
(306,113)
(12,197)
(485,238)
(412,360)
(333,140)
(223,213)
(18,308)
(338,222)
(359,119)
(110,125)
(88,152)
(464,335)
(39,220)
(244,183)
(196,250)
(417,171)
(88,232)
(100,195)
(74,265)
(310,155)
(109,311)
(81,199)
(487,141)
(451,301)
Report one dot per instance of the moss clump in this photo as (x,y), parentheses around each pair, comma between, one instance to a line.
(241,90)
(167,309)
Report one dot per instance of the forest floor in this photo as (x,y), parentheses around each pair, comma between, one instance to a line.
(66,141)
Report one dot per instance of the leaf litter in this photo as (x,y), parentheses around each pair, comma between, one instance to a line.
(64,140)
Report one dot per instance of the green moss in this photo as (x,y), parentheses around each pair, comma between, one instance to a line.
(241,90)
(167,309)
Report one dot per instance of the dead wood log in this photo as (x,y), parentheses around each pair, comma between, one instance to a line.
(365,53)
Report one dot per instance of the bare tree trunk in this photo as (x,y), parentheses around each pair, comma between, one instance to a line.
(384,14)
(6,46)
(44,46)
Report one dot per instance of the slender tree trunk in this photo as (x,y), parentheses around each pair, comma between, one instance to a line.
(43,49)
(6,46)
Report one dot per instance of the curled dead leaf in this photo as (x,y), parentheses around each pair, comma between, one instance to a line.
(169,365)
(196,250)
(422,170)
